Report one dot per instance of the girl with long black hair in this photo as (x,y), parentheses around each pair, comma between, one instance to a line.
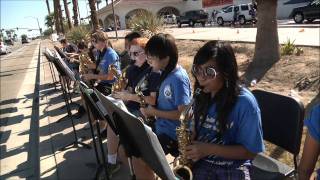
(227,122)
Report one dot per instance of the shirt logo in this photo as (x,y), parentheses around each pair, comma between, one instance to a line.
(167,92)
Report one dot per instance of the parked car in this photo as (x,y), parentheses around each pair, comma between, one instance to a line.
(244,14)
(9,42)
(3,48)
(25,40)
(193,17)
(170,19)
(309,12)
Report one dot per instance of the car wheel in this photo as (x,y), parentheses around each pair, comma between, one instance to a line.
(242,20)
(203,24)
(179,24)
(298,18)
(310,20)
(191,23)
(220,21)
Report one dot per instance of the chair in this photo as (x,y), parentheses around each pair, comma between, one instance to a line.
(282,124)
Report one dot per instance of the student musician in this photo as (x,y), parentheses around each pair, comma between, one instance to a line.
(227,121)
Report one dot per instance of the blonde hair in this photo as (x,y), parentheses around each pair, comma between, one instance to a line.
(100,36)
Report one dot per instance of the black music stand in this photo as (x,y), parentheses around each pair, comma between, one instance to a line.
(137,139)
(98,113)
(64,71)
(52,71)
(69,73)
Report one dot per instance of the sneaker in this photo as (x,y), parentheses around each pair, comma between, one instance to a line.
(112,168)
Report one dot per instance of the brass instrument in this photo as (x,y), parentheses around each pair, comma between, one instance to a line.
(84,59)
(121,80)
(184,139)
(140,87)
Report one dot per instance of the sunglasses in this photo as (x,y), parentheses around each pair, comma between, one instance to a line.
(208,72)
(135,54)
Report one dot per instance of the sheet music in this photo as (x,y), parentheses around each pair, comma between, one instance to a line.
(118,102)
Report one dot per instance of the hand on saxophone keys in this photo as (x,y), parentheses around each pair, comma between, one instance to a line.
(197,150)
(124,95)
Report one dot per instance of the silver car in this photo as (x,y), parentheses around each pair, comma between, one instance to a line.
(3,48)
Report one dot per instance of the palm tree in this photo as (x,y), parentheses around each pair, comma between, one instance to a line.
(48,6)
(49,20)
(94,19)
(60,17)
(56,16)
(75,12)
(267,42)
(66,9)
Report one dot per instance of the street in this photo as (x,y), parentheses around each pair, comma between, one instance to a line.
(18,141)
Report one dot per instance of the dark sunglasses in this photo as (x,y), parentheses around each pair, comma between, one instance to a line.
(135,54)
(208,72)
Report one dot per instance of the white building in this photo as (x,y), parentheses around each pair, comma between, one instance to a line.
(124,9)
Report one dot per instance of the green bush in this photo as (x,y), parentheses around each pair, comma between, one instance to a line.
(288,48)
(77,34)
(146,23)
(48,32)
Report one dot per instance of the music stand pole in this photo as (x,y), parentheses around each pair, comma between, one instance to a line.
(76,141)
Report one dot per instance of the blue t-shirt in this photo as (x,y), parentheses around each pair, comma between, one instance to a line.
(313,124)
(243,128)
(174,91)
(108,57)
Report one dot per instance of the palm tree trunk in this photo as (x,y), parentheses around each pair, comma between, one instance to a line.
(48,7)
(60,17)
(56,16)
(66,9)
(267,41)
(94,19)
(75,12)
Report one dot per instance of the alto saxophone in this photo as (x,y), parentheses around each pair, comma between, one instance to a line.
(84,59)
(121,80)
(140,87)
(184,139)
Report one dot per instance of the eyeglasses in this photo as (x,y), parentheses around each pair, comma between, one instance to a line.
(135,54)
(208,72)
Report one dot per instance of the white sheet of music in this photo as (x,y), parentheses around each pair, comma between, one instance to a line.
(118,102)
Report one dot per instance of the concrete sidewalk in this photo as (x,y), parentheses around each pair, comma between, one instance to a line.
(19,114)
(301,36)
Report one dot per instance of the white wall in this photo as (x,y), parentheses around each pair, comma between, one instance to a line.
(125,7)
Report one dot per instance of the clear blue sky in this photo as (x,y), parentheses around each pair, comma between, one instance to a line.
(19,13)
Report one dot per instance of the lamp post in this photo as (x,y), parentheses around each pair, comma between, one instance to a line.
(37,22)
